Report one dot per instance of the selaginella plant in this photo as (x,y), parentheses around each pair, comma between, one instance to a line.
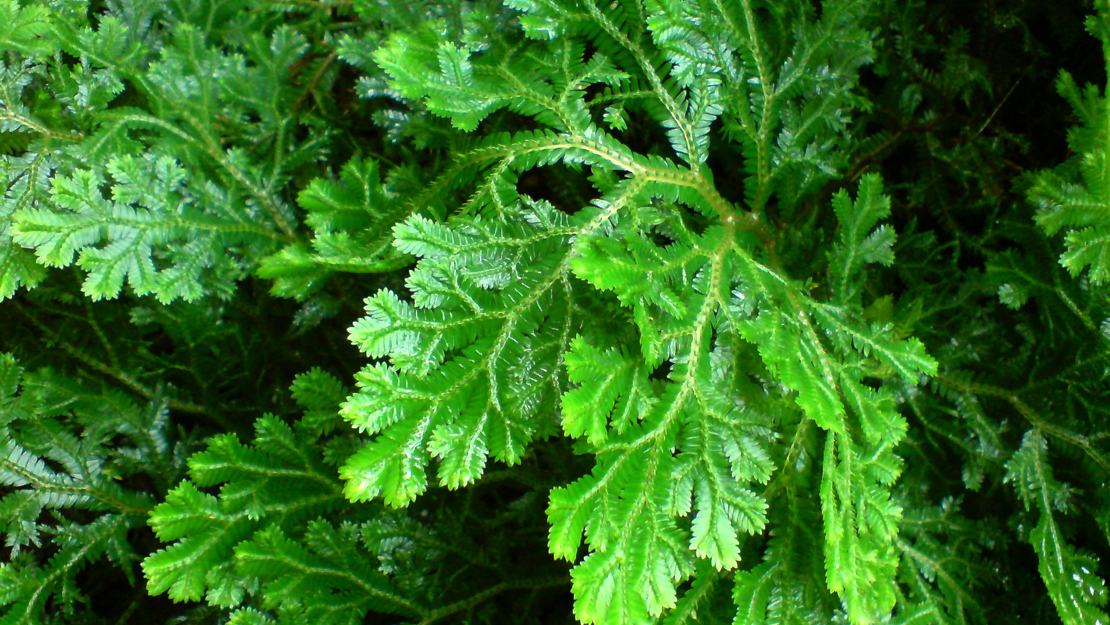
(640,342)
(661,324)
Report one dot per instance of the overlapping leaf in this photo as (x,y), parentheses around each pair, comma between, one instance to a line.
(540,80)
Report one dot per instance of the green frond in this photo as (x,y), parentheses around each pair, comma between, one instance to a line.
(1070,574)
(249,616)
(860,241)
(636,270)
(154,233)
(57,580)
(861,521)
(25,28)
(942,565)
(675,461)
(907,357)
(707,600)
(280,478)
(162,232)
(26,182)
(17,268)
(479,326)
(67,447)
(190,514)
(788,587)
(547,19)
(639,551)
(352,219)
(469,82)
(292,574)
(1074,196)
(803,365)
(264,541)
(1089,247)
(320,394)
(613,391)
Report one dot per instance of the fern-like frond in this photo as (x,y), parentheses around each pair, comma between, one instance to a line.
(25,184)
(473,360)
(613,391)
(163,231)
(1070,574)
(455,83)
(679,462)
(1074,196)
(627,506)
(67,448)
(352,220)
(330,558)
(860,465)
(153,209)
(943,566)
(279,479)
(24,28)
(860,242)
(788,587)
(269,548)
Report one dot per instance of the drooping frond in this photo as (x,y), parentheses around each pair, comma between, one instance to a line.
(1070,574)
(152,208)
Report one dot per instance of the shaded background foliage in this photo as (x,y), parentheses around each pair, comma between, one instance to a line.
(962,108)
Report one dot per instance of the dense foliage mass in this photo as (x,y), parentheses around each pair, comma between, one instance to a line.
(328,312)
